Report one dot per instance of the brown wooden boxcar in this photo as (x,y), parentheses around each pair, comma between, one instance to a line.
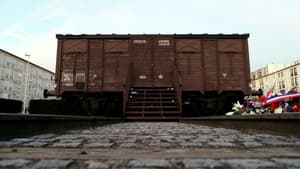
(153,75)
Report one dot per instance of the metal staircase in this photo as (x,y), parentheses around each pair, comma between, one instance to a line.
(152,103)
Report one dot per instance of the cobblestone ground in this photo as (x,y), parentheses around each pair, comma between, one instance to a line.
(151,145)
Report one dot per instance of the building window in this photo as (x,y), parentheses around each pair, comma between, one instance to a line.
(281,84)
(280,75)
(253,85)
(259,74)
(293,72)
(261,84)
(294,79)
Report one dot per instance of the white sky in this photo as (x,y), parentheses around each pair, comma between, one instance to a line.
(30,26)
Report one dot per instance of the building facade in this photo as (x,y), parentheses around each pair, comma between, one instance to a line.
(14,79)
(283,77)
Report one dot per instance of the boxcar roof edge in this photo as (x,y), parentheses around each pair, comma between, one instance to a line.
(127,36)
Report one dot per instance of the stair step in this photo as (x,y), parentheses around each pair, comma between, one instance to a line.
(152,91)
(133,105)
(154,102)
(152,88)
(152,112)
(153,97)
(153,94)
(152,107)
(153,118)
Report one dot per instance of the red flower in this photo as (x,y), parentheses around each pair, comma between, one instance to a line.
(273,106)
(262,98)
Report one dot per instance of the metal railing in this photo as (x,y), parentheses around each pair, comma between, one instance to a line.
(127,83)
(177,82)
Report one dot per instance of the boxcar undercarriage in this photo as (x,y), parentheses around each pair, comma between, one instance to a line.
(194,104)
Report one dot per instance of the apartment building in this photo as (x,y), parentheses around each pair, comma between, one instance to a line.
(282,77)
(13,78)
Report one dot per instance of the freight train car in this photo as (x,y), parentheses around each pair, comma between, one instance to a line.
(152,75)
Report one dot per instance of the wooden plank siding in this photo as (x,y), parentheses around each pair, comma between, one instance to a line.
(99,63)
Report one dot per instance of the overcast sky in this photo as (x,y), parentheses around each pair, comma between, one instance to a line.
(30,26)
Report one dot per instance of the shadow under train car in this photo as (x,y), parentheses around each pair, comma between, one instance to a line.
(105,104)
(10,106)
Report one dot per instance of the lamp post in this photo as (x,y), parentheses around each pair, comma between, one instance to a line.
(26,83)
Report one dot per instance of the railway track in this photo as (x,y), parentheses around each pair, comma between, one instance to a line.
(151,145)
(13,125)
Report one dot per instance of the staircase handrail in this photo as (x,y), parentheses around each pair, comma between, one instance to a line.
(177,82)
(127,84)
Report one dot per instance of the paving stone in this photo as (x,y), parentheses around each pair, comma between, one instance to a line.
(279,143)
(252,144)
(14,163)
(250,163)
(36,144)
(160,144)
(223,140)
(92,164)
(179,136)
(95,144)
(43,136)
(128,145)
(246,138)
(69,137)
(45,164)
(49,140)
(291,139)
(100,140)
(197,163)
(167,137)
(202,140)
(190,144)
(70,140)
(206,137)
(89,131)
(72,132)
(224,131)
(22,140)
(288,162)
(279,137)
(9,143)
(221,144)
(205,131)
(67,145)
(149,163)
(125,140)
(268,136)
(186,137)
(174,141)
